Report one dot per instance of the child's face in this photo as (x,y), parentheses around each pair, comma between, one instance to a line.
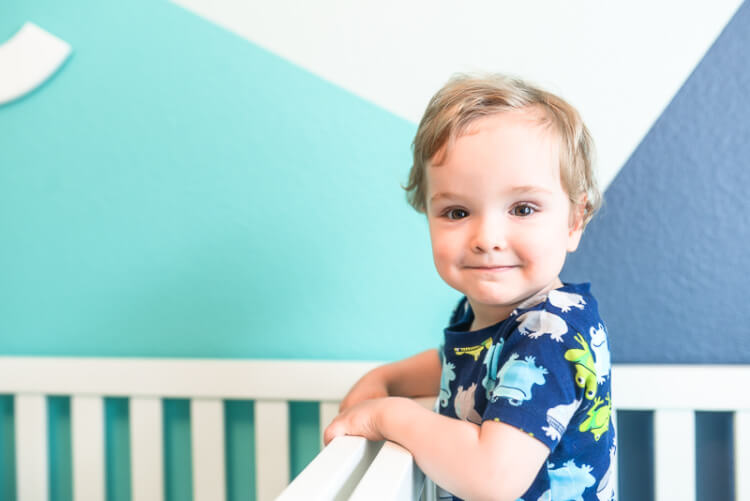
(500,221)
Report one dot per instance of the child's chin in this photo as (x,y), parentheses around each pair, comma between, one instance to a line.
(492,298)
(497,296)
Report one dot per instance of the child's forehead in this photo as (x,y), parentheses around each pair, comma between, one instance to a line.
(530,120)
(504,152)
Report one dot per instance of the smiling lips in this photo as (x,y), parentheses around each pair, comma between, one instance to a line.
(490,268)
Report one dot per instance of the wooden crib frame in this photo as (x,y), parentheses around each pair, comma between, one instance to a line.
(350,468)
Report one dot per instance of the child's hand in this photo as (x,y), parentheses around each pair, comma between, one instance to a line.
(369,387)
(361,420)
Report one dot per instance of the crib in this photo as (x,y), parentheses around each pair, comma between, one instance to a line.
(350,467)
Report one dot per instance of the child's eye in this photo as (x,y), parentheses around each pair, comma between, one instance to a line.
(523,210)
(455,214)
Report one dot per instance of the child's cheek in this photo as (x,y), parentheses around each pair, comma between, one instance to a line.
(445,257)
(545,254)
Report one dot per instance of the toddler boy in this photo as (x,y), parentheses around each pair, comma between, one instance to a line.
(503,172)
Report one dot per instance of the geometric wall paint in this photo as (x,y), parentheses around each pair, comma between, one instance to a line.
(611,60)
(668,254)
(182,192)
(190,193)
(28,59)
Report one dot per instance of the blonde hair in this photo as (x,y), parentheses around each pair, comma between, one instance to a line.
(466,98)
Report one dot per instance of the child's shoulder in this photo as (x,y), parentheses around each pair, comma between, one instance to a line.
(570,308)
(568,338)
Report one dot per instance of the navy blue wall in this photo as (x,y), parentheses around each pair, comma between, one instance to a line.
(668,255)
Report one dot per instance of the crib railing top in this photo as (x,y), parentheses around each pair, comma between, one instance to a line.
(688,387)
(697,387)
(672,391)
(300,380)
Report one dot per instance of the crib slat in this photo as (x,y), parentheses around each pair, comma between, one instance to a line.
(271,448)
(393,475)
(87,443)
(742,455)
(674,455)
(207,433)
(147,449)
(32,482)
(616,467)
(328,411)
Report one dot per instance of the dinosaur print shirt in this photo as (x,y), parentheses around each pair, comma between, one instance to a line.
(546,371)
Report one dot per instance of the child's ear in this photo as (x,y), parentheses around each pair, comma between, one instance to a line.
(577,217)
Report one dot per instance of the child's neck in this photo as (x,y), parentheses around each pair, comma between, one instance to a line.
(485,315)
(490,314)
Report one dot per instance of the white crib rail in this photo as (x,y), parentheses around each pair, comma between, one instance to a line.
(31,455)
(87,437)
(207,439)
(146,451)
(742,455)
(271,425)
(355,469)
(674,393)
(335,472)
(270,384)
(392,475)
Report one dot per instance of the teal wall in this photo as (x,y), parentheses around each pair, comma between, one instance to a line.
(176,191)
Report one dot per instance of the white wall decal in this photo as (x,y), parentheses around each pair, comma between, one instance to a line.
(28,59)
(619,62)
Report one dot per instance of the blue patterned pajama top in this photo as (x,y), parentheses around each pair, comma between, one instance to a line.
(546,371)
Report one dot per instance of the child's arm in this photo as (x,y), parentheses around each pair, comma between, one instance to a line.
(416,376)
(495,461)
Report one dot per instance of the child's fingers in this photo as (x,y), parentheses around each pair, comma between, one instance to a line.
(358,420)
(335,429)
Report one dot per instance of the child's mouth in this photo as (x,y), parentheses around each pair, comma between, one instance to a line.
(490,268)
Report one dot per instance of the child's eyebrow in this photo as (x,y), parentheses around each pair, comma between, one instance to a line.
(529,189)
(516,190)
(438,196)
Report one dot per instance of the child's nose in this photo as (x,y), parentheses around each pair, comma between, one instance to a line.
(489,234)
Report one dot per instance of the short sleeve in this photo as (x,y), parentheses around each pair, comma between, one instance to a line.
(537,388)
